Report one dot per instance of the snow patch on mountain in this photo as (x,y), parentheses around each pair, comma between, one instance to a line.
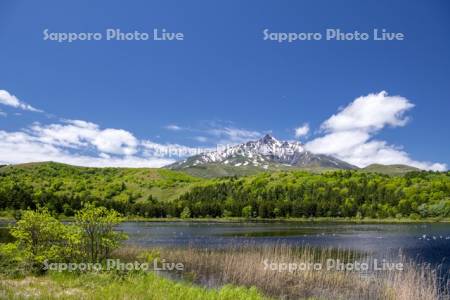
(263,153)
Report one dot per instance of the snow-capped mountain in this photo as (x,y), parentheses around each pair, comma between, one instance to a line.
(264,153)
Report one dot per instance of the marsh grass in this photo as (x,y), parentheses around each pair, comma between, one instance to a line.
(243,265)
(108,286)
(235,272)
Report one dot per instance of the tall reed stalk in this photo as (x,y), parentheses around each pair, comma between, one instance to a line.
(244,265)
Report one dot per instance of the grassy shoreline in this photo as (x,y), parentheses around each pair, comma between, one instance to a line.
(228,274)
(244,266)
(111,286)
(238,271)
(273,220)
(293,220)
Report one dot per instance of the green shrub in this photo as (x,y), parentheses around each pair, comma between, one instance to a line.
(98,237)
(186,213)
(247,211)
(11,260)
(39,237)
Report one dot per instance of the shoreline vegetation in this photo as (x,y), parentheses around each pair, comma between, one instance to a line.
(294,220)
(247,265)
(228,274)
(9,216)
(70,286)
(234,272)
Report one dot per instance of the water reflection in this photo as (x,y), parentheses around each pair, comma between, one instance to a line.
(428,243)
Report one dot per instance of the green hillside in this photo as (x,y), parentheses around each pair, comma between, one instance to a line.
(217,170)
(289,193)
(389,169)
(27,184)
(214,170)
(348,193)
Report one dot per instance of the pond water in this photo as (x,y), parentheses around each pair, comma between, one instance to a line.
(427,243)
(424,243)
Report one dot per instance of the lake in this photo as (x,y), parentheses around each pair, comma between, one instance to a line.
(428,243)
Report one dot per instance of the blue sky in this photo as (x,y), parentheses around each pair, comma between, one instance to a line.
(117,102)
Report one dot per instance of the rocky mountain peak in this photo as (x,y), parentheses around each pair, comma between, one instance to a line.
(268,139)
(263,153)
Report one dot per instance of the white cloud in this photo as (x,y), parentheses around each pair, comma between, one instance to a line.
(338,142)
(23,147)
(370,113)
(116,141)
(10,100)
(86,144)
(72,133)
(348,134)
(217,132)
(79,134)
(302,130)
(173,127)
(201,139)
(232,135)
(170,150)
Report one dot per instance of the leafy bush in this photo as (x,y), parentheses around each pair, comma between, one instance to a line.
(41,238)
(97,230)
(186,213)
(11,260)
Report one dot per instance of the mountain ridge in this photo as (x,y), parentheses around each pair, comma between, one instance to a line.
(266,153)
(394,169)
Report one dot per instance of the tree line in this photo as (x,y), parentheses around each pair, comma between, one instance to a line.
(334,194)
(266,195)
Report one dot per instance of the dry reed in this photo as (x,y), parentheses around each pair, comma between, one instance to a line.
(244,265)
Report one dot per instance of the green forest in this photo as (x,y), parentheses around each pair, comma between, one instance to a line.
(331,194)
(158,193)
